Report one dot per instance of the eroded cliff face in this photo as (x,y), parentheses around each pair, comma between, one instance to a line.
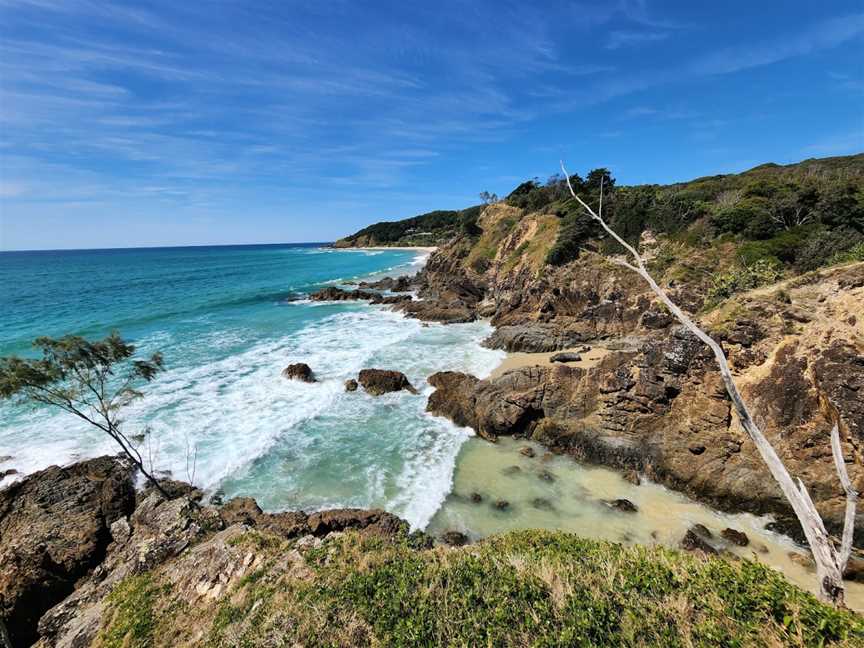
(658,405)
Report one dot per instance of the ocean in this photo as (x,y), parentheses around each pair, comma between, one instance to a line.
(228,320)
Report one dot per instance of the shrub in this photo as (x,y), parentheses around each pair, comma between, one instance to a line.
(826,247)
(726,284)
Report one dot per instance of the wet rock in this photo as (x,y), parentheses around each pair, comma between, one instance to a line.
(299,371)
(476,498)
(337,294)
(453,397)
(542,504)
(217,498)
(546,476)
(54,528)
(382,381)
(623,505)
(804,560)
(454,538)
(693,542)
(7,473)
(511,470)
(697,449)
(566,357)
(735,537)
(436,311)
(351,385)
(632,476)
(702,531)
(240,510)
(527,451)
(501,505)
(4,458)
(375,522)
(854,570)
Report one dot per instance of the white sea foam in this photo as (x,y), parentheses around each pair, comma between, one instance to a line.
(287,443)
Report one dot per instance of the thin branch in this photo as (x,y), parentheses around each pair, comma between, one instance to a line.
(851,499)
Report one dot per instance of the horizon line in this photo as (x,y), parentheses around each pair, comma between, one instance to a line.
(161,247)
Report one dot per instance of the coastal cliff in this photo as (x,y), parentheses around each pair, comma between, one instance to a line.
(789,315)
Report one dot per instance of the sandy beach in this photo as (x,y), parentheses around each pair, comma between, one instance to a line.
(515,360)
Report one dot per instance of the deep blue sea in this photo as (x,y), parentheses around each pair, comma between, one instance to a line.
(228,320)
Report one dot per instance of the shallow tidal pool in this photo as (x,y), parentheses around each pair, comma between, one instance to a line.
(548,491)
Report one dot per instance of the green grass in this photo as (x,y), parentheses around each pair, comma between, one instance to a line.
(130,614)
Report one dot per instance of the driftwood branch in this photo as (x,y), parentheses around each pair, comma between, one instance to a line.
(851,499)
(829,569)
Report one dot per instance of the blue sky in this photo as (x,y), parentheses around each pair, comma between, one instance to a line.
(160,123)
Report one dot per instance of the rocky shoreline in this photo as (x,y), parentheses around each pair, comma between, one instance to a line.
(655,402)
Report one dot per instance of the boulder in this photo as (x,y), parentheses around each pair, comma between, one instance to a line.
(299,371)
(452,397)
(527,451)
(693,542)
(382,381)
(566,356)
(350,385)
(55,527)
(533,337)
(375,522)
(623,505)
(735,537)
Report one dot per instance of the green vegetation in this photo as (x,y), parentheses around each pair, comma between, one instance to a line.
(527,588)
(434,228)
(726,284)
(129,621)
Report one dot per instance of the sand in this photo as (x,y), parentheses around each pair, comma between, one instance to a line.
(516,360)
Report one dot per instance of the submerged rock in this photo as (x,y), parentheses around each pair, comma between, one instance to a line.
(701,530)
(382,381)
(623,505)
(299,371)
(476,498)
(501,505)
(454,538)
(511,470)
(542,504)
(735,537)
(546,476)
(693,542)
(527,451)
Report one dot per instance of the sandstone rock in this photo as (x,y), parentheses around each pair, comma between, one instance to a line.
(54,527)
(454,538)
(350,385)
(382,381)
(735,537)
(692,542)
(566,356)
(535,337)
(299,371)
(452,397)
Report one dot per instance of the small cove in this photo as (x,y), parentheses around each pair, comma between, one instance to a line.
(556,492)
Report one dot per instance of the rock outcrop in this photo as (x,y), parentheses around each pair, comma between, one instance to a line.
(659,406)
(383,381)
(70,537)
(337,294)
(55,526)
(299,371)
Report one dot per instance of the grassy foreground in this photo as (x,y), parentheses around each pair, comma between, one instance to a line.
(527,588)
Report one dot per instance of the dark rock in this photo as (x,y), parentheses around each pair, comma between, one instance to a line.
(374,522)
(527,451)
(697,449)
(7,473)
(337,294)
(476,498)
(454,538)
(397,284)
(435,311)
(566,357)
(692,542)
(383,381)
(702,531)
(453,397)
(4,458)
(240,510)
(735,537)
(632,476)
(623,505)
(54,528)
(854,570)
(350,385)
(542,504)
(501,505)
(299,371)
(534,337)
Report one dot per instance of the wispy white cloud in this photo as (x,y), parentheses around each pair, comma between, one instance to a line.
(618,39)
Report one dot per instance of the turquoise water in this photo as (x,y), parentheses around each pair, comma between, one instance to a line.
(228,320)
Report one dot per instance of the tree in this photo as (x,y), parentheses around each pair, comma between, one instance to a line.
(488,198)
(830,560)
(91,380)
